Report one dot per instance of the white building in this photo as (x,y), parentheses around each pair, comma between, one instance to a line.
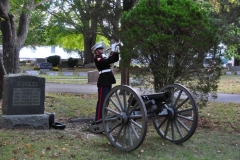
(44,52)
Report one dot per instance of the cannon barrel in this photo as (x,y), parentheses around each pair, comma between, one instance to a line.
(153,101)
(158,97)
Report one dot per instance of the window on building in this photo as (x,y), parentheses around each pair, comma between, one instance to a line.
(53,49)
(33,50)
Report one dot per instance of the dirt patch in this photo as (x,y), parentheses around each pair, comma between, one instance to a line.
(78,128)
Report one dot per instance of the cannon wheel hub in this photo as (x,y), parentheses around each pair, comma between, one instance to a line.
(122,118)
(170,113)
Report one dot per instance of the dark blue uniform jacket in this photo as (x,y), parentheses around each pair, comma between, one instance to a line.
(107,78)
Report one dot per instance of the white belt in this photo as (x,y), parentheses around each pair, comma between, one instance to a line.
(105,70)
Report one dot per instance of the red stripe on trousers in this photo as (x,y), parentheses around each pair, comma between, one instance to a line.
(99,103)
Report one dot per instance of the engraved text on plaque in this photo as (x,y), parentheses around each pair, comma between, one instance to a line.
(26,96)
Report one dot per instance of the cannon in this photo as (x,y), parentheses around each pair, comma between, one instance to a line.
(125,115)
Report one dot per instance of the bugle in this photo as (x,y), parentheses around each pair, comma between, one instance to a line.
(115,47)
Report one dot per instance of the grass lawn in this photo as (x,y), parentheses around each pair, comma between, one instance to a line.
(229,84)
(217,135)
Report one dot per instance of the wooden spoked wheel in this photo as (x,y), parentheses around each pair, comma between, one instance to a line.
(124,118)
(181,121)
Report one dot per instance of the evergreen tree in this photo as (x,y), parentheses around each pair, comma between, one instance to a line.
(173,38)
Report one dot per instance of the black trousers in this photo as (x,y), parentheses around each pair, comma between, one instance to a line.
(102,93)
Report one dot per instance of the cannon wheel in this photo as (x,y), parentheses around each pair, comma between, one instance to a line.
(124,118)
(181,121)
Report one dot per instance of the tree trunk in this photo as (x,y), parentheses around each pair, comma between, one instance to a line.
(2,71)
(124,74)
(8,40)
(88,43)
(11,47)
(127,5)
(12,40)
(237,61)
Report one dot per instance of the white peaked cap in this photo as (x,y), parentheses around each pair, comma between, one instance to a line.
(97,45)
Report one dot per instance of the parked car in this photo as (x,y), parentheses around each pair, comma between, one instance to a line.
(208,60)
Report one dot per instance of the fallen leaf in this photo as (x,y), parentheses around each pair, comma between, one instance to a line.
(28,146)
(32,151)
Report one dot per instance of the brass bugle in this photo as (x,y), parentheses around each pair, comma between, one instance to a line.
(115,47)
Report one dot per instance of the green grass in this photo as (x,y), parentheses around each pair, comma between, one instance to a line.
(71,105)
(229,84)
(217,135)
(63,145)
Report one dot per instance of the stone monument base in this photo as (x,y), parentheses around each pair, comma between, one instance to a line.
(34,121)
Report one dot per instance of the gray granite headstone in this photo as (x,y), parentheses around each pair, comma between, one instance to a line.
(52,73)
(34,73)
(67,73)
(23,94)
(82,74)
(44,71)
(228,73)
(45,65)
(93,77)
(33,121)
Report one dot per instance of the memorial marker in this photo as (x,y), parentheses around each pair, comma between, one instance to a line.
(23,94)
(67,73)
(52,73)
(82,74)
(23,102)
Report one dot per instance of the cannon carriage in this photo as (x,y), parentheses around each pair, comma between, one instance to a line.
(125,115)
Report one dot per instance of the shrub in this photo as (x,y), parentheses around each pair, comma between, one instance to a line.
(72,62)
(55,60)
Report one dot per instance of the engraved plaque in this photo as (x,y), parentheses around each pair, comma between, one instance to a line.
(26,96)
